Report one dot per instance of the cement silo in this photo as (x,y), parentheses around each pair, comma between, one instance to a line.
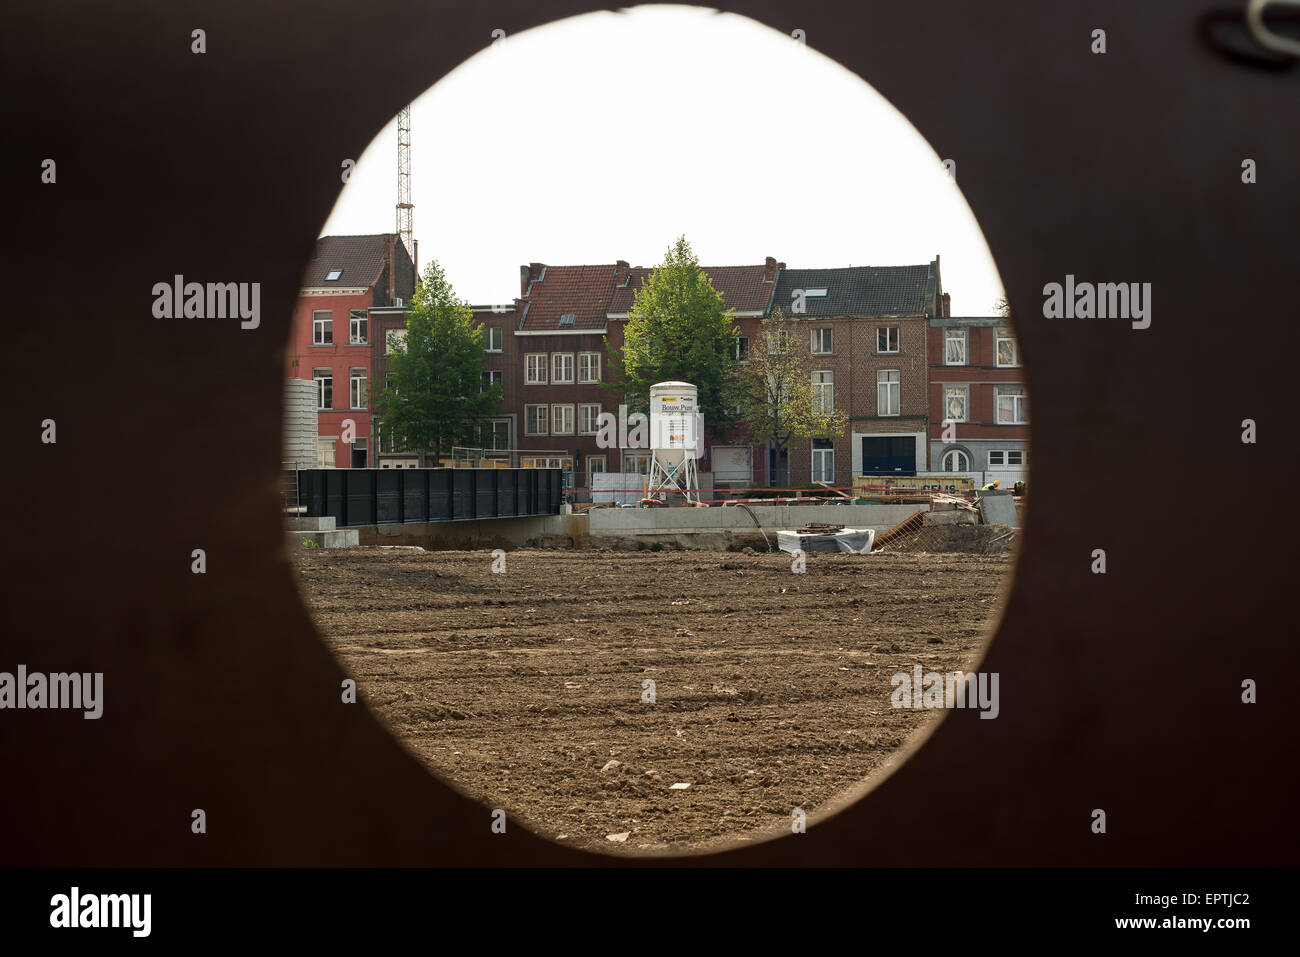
(676,439)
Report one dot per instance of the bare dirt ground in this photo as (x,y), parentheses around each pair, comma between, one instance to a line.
(771,689)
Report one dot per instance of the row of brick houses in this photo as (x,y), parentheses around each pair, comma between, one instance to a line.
(884,349)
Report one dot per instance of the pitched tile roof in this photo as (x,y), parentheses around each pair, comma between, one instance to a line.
(359,257)
(860,290)
(582,292)
(742,288)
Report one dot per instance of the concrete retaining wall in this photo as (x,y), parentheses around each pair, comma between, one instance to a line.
(712,528)
(556,530)
(730,526)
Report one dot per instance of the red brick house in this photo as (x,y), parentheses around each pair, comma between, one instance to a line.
(348,280)
(979,424)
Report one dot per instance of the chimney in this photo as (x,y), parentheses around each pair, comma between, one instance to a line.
(524,273)
(620,272)
(947,305)
(769,269)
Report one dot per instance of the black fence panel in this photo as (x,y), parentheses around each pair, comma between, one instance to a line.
(398,496)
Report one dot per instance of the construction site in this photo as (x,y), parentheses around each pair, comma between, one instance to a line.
(659,658)
(670,679)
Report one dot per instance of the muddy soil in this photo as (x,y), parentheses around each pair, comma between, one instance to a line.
(770,689)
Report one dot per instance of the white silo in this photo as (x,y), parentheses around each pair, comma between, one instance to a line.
(676,439)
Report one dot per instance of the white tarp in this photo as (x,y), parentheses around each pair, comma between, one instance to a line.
(857,541)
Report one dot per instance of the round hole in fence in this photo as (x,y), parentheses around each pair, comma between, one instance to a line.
(639,440)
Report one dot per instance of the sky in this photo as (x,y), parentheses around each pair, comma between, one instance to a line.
(606,136)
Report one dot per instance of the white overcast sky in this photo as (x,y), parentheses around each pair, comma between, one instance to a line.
(605,136)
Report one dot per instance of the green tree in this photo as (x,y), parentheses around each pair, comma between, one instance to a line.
(780,405)
(678,329)
(435,397)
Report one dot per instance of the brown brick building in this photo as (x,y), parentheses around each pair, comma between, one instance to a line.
(867,329)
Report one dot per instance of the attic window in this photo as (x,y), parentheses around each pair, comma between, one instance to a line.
(569,319)
(814,292)
(333,275)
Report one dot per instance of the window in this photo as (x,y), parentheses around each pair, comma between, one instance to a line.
(395,337)
(588,413)
(490,378)
(357,388)
(823,391)
(595,466)
(322,327)
(588,366)
(325,453)
(333,274)
(387,440)
(823,460)
(954,403)
(821,342)
(779,343)
(1006,458)
(496,435)
(955,460)
(1012,405)
(954,347)
(888,392)
(562,368)
(742,349)
(493,338)
(534,420)
(638,462)
(324,387)
(887,339)
(357,327)
(1007,352)
(545,462)
(360,450)
(561,420)
(535,369)
(569,319)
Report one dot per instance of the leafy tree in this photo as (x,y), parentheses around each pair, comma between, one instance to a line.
(436,399)
(1002,306)
(678,329)
(780,406)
